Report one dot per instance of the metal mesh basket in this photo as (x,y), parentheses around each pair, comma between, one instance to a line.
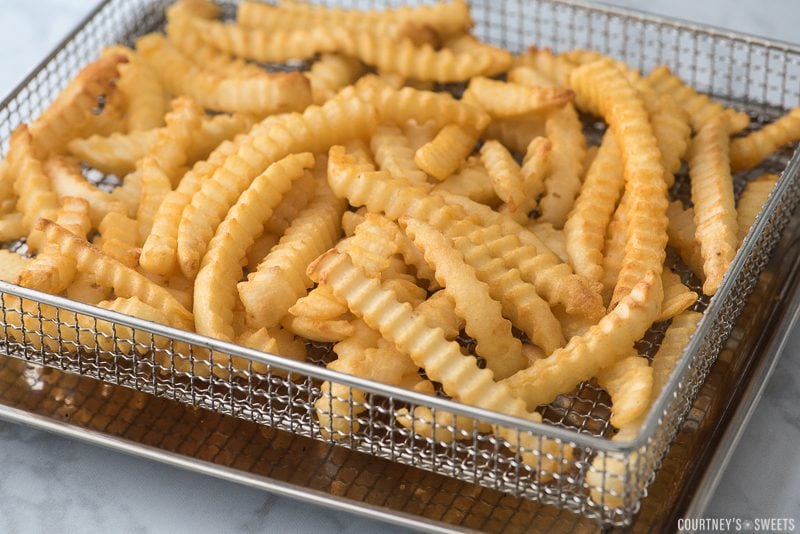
(755,75)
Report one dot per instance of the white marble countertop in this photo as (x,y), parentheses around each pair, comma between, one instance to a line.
(53,484)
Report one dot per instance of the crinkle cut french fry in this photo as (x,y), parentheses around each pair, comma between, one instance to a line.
(584,356)
(608,89)
(506,179)
(586,225)
(681,232)
(419,133)
(563,182)
(11,265)
(170,151)
(71,114)
(699,107)
(499,58)
(214,288)
(677,297)
(503,100)
(444,154)
(118,153)
(614,248)
(554,67)
(297,198)
(714,205)
(443,362)
(145,98)
(552,238)
(445,18)
(36,197)
(314,130)
(671,128)
(320,303)
(270,93)
(440,425)
(155,187)
(279,280)
(483,315)
(438,310)
(629,383)
(51,271)
(536,166)
(331,73)
(109,272)
(11,227)
(471,181)
(68,181)
(394,154)
(402,105)
(515,134)
(752,199)
(373,245)
(755,147)
(606,476)
(321,330)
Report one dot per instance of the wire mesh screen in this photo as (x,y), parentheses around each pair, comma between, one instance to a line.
(547,462)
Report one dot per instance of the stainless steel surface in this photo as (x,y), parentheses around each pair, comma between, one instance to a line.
(759,76)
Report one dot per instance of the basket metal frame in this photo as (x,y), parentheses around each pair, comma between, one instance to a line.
(642,454)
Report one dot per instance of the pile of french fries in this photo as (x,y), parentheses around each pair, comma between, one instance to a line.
(356,204)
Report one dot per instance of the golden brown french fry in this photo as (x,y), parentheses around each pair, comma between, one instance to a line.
(119,237)
(68,181)
(506,179)
(553,239)
(330,73)
(752,149)
(629,383)
(145,98)
(503,100)
(712,195)
(677,297)
(515,134)
(11,265)
(752,199)
(472,181)
(394,154)
(445,153)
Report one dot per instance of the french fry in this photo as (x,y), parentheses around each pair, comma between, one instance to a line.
(609,90)
(68,181)
(672,131)
(214,288)
(752,199)
(506,179)
(584,356)
(314,130)
(750,150)
(320,303)
(298,197)
(629,383)
(119,237)
(322,330)
(394,154)
(372,245)
(263,95)
(587,222)
(681,232)
(700,108)
(712,194)
(50,271)
(444,154)
(11,265)
(515,134)
(554,67)
(503,100)
(84,288)
(331,73)
(279,280)
(36,198)
(677,297)
(440,426)
(155,187)
(11,227)
(442,360)
(483,315)
(71,114)
(110,273)
(536,166)
(145,99)
(563,182)
(553,239)
(438,310)
(419,133)
(614,249)
(499,58)
(471,181)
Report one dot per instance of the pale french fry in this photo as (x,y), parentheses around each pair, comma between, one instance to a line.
(320,303)
(473,182)
(36,198)
(536,166)
(503,100)
(506,179)
(515,134)
(483,315)
(442,426)
(554,67)
(681,232)
(68,181)
(279,280)
(119,237)
(317,128)
(444,154)
(586,225)
(442,360)
(297,198)
(393,153)
(51,271)
(606,86)
(155,187)
(322,330)
(629,383)
(373,245)
(712,195)
(699,107)
(672,130)
(677,297)
(752,199)
(438,310)
(118,153)
(269,93)
(563,182)
(129,193)
(465,43)
(752,149)
(110,273)
(331,73)
(11,227)
(215,286)
(419,133)
(584,356)
(259,250)
(145,99)
(553,239)
(71,114)
(170,151)
(121,338)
